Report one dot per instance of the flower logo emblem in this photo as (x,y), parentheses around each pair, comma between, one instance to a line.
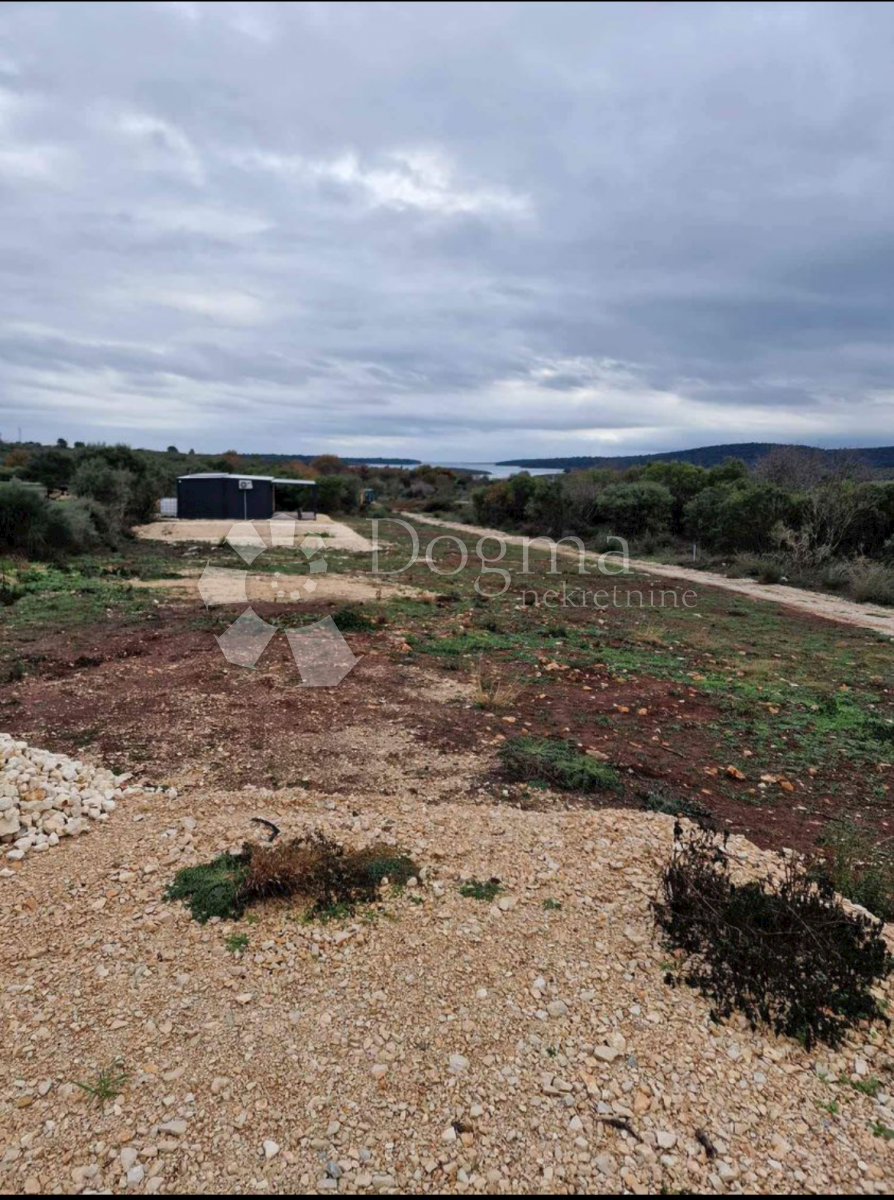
(322,655)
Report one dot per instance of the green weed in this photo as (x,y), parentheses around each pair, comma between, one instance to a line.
(477,889)
(108,1084)
(557,762)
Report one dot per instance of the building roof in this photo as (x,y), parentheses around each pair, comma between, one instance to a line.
(235,475)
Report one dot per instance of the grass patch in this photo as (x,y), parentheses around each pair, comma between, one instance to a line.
(352,619)
(785,954)
(557,762)
(315,868)
(866,1087)
(481,889)
(108,1083)
(857,866)
(236,943)
(475,641)
(659,800)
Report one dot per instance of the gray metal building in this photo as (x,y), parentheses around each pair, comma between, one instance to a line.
(217,496)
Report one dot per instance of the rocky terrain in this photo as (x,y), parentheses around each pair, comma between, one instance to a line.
(45,797)
(432,1043)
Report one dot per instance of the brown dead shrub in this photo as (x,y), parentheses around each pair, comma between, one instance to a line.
(314,868)
(319,870)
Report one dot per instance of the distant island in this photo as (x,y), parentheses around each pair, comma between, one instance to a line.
(351,462)
(879,458)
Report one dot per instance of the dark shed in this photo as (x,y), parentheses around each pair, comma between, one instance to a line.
(221,497)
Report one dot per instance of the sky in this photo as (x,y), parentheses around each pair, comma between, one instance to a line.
(448,231)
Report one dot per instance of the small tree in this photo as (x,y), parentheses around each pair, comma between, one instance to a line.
(52,467)
(327,464)
(636,508)
(108,485)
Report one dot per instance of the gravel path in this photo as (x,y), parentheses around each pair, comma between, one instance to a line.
(442,1046)
(831,608)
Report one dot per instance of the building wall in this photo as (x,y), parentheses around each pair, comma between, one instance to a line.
(224,500)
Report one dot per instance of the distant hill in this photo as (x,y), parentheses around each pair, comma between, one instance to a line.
(351,462)
(879,458)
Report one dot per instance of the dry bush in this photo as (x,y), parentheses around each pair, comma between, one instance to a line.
(491,692)
(651,632)
(322,872)
(871,582)
(313,868)
(784,952)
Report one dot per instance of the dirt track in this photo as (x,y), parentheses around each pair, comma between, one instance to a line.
(845,612)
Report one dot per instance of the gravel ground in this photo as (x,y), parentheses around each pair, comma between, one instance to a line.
(435,1044)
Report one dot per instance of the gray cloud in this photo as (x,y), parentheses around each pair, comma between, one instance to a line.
(447,230)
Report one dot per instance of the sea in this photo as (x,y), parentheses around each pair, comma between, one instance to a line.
(494,470)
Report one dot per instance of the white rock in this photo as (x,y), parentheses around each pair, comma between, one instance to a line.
(128,1157)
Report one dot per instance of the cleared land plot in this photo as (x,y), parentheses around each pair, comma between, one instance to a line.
(433,1042)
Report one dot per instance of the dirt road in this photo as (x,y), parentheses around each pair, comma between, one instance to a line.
(845,612)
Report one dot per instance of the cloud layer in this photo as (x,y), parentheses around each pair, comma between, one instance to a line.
(447,230)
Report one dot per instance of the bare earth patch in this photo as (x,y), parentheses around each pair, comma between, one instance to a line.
(277,589)
(278,532)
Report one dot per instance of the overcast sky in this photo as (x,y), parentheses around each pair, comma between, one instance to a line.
(462,231)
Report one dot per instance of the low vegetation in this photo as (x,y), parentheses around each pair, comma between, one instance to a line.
(558,763)
(795,517)
(212,889)
(485,890)
(108,1083)
(326,876)
(784,952)
(352,619)
(858,866)
(491,692)
(661,800)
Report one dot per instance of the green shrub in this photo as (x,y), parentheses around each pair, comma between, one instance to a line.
(23,514)
(785,952)
(32,526)
(110,486)
(50,466)
(212,889)
(738,516)
(337,493)
(635,508)
(557,762)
